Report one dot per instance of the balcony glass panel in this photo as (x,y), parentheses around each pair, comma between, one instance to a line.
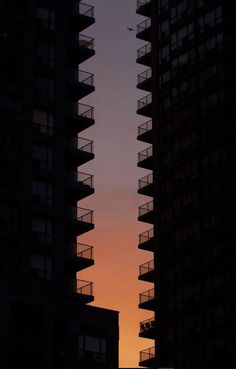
(146,296)
(146,325)
(144,50)
(144,154)
(141,3)
(145,127)
(145,181)
(145,75)
(147,354)
(81,76)
(146,267)
(144,25)
(145,101)
(146,236)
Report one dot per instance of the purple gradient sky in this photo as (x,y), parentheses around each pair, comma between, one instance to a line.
(115,201)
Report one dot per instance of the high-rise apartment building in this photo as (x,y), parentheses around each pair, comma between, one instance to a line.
(45,319)
(190,108)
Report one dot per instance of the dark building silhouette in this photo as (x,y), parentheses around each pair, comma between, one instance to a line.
(190,80)
(45,321)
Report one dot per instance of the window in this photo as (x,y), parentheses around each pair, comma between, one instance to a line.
(210,19)
(10,107)
(42,230)
(210,44)
(212,73)
(164,54)
(164,79)
(44,122)
(212,102)
(46,17)
(92,348)
(9,218)
(163,5)
(43,157)
(182,35)
(163,29)
(181,61)
(178,11)
(42,193)
(46,54)
(41,267)
(44,87)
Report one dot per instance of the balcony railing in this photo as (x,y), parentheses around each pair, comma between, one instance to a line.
(145,75)
(147,354)
(146,267)
(81,144)
(81,76)
(144,25)
(144,154)
(81,110)
(82,9)
(144,101)
(85,111)
(146,236)
(145,181)
(141,3)
(145,127)
(80,214)
(146,296)
(80,40)
(146,208)
(84,251)
(80,178)
(146,325)
(84,287)
(85,215)
(144,50)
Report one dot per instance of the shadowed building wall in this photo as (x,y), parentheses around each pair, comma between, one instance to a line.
(44,317)
(191,84)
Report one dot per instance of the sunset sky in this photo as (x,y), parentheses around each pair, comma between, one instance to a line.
(115,201)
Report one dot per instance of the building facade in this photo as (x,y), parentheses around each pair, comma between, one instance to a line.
(190,108)
(45,319)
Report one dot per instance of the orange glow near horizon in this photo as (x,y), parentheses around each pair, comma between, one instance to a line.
(115,202)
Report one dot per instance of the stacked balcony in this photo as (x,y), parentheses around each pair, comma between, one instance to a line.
(80,15)
(145,132)
(146,240)
(147,357)
(79,185)
(146,271)
(79,117)
(80,256)
(146,183)
(80,290)
(147,328)
(143,7)
(78,150)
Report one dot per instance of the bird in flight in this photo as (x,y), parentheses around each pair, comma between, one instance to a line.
(130,29)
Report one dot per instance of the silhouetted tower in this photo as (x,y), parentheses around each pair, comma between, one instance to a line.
(44,318)
(190,106)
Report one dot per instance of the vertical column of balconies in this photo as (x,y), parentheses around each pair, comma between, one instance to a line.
(145,184)
(79,150)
